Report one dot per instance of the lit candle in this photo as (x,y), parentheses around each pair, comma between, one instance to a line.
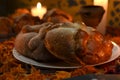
(102,26)
(39,10)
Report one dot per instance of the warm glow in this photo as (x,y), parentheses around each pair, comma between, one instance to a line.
(104,4)
(39,5)
(39,10)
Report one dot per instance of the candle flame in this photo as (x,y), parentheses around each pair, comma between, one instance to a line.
(39,5)
(39,10)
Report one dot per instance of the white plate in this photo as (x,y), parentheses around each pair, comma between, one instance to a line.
(63,65)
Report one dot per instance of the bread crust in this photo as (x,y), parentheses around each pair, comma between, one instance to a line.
(73,43)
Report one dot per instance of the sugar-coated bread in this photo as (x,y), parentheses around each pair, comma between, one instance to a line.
(56,16)
(73,43)
(31,44)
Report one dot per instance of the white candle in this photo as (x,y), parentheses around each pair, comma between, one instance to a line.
(39,10)
(102,26)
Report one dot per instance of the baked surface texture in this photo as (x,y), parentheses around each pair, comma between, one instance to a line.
(73,43)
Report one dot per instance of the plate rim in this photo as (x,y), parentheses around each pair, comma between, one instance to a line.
(20,57)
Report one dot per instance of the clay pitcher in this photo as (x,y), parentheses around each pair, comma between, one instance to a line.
(91,15)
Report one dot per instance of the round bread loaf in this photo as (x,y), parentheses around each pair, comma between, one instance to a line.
(30,43)
(73,44)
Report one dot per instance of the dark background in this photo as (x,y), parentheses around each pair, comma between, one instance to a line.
(9,6)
